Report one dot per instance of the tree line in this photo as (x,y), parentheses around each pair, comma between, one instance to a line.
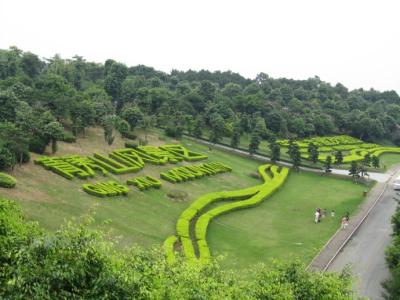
(43,101)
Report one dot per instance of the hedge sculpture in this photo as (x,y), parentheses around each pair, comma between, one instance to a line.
(185,173)
(61,167)
(354,149)
(119,161)
(200,216)
(105,189)
(144,183)
(7,181)
(184,153)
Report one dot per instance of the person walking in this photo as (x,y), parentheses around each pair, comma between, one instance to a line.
(345,222)
(317,216)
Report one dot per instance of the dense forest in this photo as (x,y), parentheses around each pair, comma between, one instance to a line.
(46,100)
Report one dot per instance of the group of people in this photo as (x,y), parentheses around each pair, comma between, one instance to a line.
(322,213)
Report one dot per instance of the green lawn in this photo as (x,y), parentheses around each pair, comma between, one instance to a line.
(280,227)
(389,159)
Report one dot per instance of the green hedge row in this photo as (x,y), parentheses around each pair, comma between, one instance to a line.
(61,167)
(273,177)
(184,153)
(7,181)
(358,154)
(185,173)
(144,183)
(169,248)
(324,141)
(105,189)
(119,161)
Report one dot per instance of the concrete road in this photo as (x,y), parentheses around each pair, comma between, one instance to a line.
(365,252)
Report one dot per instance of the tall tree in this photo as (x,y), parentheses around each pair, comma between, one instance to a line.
(217,129)
(338,157)
(108,127)
(313,153)
(54,131)
(328,165)
(115,75)
(295,155)
(236,132)
(354,171)
(275,151)
(254,142)
(375,161)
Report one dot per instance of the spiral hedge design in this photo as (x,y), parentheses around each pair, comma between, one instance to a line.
(192,225)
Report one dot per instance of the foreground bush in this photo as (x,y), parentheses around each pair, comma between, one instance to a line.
(75,263)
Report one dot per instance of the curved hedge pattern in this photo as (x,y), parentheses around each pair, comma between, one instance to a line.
(273,177)
(7,181)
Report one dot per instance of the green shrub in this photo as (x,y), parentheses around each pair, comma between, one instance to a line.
(7,181)
(130,135)
(131,145)
(38,144)
(69,137)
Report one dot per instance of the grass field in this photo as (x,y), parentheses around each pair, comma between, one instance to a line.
(389,159)
(280,227)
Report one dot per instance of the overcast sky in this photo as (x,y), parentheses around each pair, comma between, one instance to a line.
(349,41)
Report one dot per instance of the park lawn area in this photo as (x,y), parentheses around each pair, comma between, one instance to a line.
(281,227)
(389,159)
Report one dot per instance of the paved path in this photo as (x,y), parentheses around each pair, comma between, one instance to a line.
(364,253)
(379,177)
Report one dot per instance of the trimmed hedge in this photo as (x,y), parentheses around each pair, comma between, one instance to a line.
(180,174)
(105,189)
(169,245)
(7,181)
(61,167)
(144,183)
(184,153)
(273,177)
(112,165)
(123,161)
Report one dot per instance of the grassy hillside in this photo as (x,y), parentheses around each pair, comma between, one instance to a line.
(280,227)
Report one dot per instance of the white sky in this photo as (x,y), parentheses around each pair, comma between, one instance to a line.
(350,41)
